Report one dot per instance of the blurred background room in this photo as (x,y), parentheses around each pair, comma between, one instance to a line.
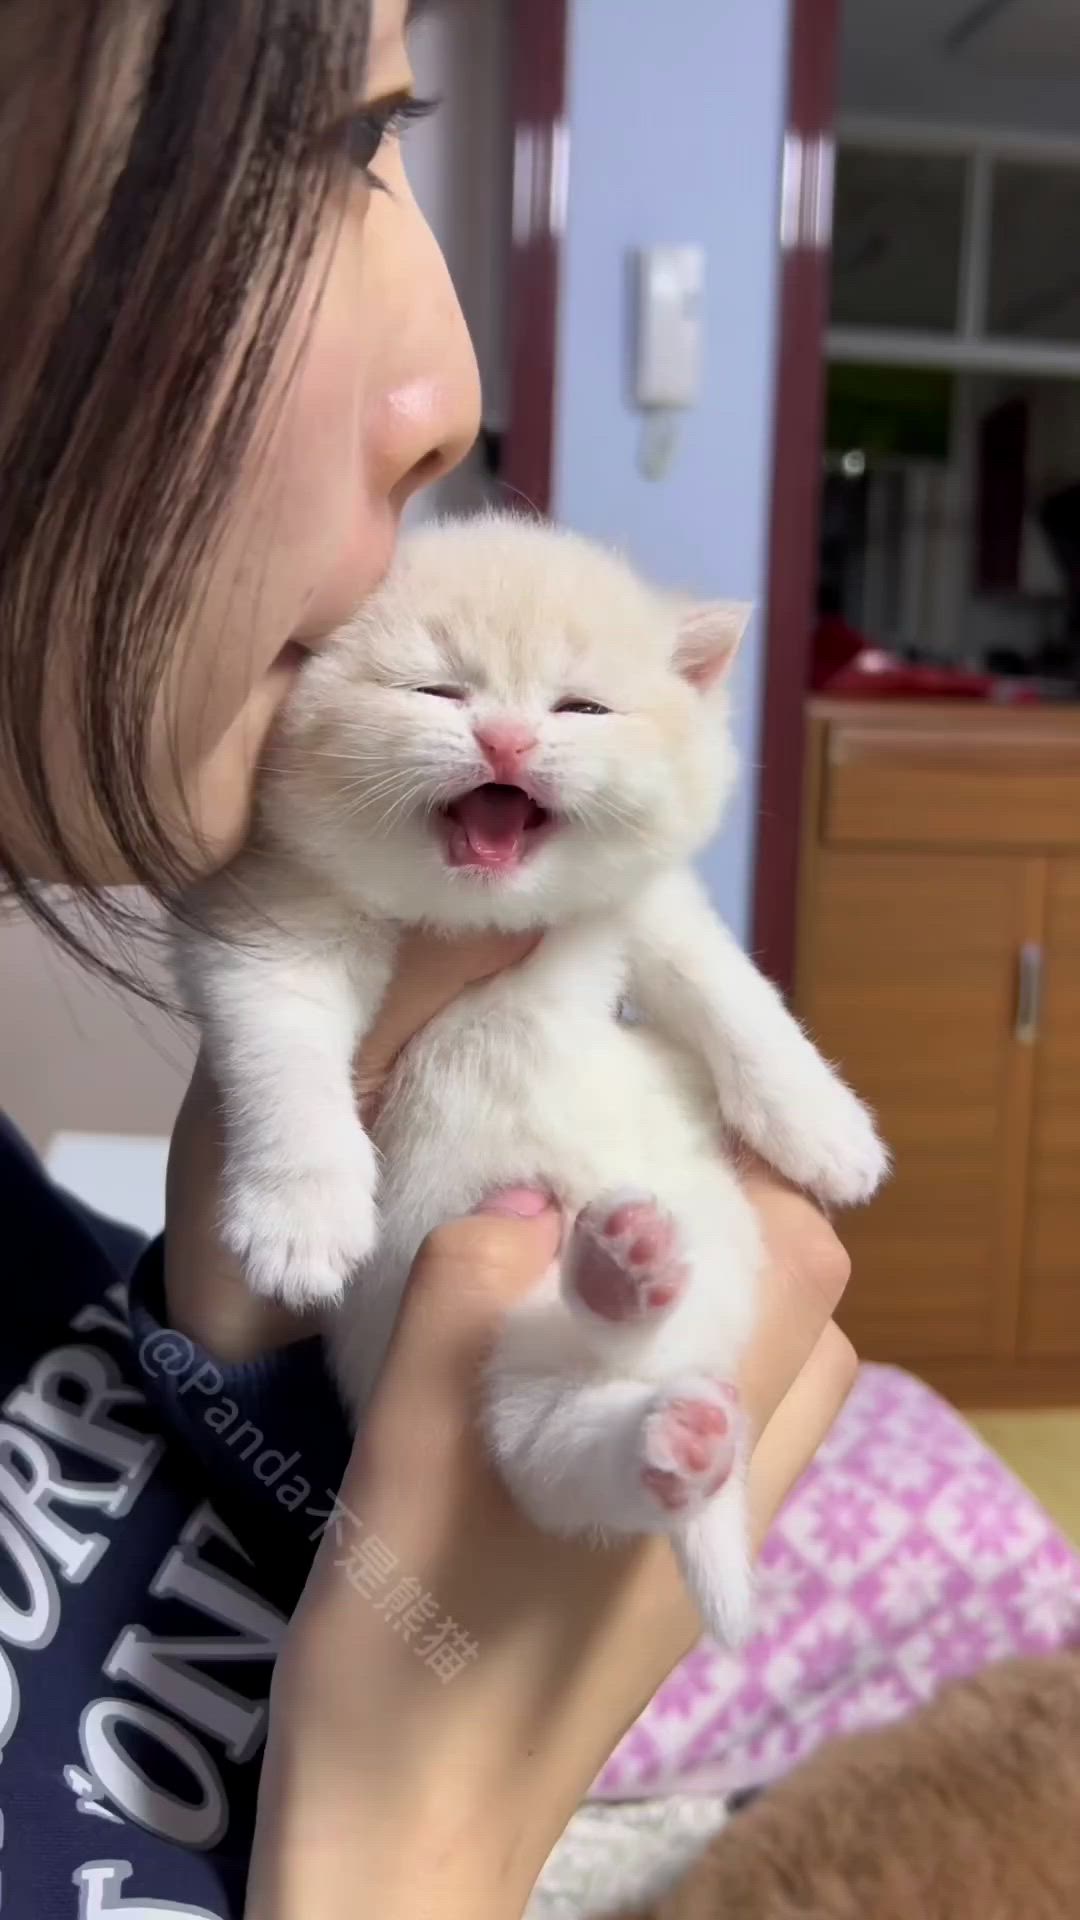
(785,299)
(937,950)
(783,296)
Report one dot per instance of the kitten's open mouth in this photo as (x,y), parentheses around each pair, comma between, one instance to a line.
(493,828)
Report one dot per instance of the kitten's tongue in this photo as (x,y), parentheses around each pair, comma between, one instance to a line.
(488,827)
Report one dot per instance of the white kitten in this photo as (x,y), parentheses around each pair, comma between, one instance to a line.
(518,733)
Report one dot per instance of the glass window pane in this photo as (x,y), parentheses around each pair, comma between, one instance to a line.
(950,528)
(897,228)
(1035,253)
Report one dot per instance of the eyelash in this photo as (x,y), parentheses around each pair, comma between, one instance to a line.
(368,129)
(564,706)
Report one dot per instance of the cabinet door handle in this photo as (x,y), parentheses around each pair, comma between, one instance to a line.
(1029,985)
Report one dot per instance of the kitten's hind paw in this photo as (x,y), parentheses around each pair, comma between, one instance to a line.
(624,1262)
(688,1444)
(300,1239)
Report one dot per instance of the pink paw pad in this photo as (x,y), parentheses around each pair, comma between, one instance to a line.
(688,1444)
(624,1262)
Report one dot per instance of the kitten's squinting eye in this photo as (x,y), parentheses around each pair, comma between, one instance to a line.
(581,706)
(443,693)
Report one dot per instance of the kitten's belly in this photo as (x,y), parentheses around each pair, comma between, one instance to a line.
(577,1102)
(566,1102)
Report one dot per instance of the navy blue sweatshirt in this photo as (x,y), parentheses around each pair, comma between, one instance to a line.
(158,1516)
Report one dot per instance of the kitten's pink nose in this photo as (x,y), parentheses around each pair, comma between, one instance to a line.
(506,743)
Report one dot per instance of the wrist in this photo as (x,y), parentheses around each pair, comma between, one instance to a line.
(331,1843)
(410,1801)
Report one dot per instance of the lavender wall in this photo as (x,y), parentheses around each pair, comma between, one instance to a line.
(676,124)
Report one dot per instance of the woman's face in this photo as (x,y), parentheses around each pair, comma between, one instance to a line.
(378,394)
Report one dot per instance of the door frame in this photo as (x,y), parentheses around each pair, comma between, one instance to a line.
(802,319)
(538,85)
(538,79)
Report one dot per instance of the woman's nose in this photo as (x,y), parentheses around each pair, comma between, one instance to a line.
(435,419)
(431,398)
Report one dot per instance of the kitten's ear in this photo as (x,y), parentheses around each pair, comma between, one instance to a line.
(708,639)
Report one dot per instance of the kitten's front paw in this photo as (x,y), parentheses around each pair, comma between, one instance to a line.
(299,1238)
(836,1153)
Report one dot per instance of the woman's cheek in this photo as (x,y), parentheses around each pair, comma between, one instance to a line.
(338,541)
(305,520)
(219,788)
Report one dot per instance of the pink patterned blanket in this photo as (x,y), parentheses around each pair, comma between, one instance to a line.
(906,1555)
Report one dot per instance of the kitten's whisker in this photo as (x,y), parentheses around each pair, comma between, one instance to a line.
(387,784)
(412,792)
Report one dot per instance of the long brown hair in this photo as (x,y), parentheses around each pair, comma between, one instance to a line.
(170,162)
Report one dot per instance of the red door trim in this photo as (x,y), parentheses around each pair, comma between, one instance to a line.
(793,558)
(538,59)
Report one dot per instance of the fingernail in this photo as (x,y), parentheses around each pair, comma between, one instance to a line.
(516,1203)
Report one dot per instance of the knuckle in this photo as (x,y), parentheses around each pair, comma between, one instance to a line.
(845,1362)
(824,1264)
(456,1242)
(483,1253)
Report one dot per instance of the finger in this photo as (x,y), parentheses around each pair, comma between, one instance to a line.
(465,1278)
(430,973)
(799,1425)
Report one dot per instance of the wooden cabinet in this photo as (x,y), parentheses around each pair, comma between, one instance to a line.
(1050,1307)
(939,964)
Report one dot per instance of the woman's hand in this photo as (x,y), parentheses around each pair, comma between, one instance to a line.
(382,1784)
(207,1294)
(385,1786)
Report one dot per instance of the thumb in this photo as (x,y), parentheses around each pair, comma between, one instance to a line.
(464,1280)
(430,973)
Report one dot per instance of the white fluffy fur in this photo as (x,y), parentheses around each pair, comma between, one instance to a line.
(530,1078)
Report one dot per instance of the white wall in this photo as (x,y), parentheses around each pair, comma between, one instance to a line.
(75,1053)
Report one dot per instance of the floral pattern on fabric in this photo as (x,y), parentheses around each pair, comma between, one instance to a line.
(908,1555)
